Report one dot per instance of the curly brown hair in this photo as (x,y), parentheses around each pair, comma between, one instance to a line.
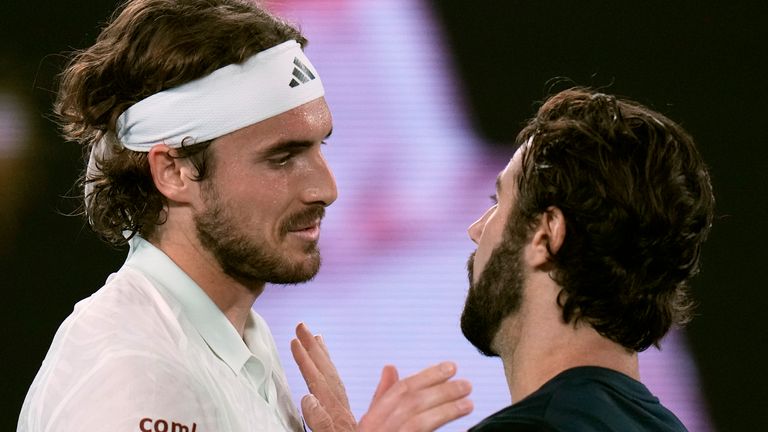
(638,205)
(147,47)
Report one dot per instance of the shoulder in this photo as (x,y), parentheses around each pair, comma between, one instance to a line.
(125,337)
(500,422)
(592,398)
(128,311)
(118,393)
(559,405)
(528,415)
(126,316)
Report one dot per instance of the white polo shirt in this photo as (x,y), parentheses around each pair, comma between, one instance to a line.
(150,352)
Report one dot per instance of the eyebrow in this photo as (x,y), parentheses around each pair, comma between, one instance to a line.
(498,184)
(292,145)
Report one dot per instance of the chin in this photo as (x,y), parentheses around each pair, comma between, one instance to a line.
(300,272)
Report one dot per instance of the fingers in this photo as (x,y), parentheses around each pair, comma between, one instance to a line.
(322,380)
(318,352)
(430,376)
(422,402)
(438,416)
(442,395)
(316,417)
(316,382)
(389,377)
(321,341)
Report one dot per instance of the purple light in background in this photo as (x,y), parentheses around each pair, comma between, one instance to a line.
(412,176)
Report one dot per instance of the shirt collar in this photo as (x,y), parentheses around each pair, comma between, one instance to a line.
(209,321)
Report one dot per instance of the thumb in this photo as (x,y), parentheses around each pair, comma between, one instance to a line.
(315,415)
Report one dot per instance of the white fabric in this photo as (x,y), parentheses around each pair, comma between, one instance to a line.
(151,352)
(228,99)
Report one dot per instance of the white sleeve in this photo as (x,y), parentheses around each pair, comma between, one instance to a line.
(130,392)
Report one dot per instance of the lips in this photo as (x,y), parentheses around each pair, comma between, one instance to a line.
(310,226)
(309,232)
(306,221)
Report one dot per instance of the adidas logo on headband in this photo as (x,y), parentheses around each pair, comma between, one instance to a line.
(300,72)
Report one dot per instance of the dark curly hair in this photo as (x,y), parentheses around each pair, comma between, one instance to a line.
(150,46)
(638,205)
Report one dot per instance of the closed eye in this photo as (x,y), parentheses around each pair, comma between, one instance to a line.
(282,154)
(281,159)
(494,199)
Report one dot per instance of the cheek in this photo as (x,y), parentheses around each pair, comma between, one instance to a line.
(261,189)
(263,208)
(258,200)
(481,258)
(491,238)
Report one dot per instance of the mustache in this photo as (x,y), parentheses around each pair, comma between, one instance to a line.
(302,219)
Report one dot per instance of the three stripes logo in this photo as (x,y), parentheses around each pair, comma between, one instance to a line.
(300,73)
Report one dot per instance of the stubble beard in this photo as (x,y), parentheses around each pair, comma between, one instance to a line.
(496,295)
(251,260)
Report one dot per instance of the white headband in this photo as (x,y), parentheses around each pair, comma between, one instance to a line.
(271,82)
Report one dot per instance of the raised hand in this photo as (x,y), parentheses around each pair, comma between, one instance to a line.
(326,408)
(421,402)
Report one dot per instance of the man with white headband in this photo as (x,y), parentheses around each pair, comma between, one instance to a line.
(204,122)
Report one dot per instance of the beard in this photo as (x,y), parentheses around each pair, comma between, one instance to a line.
(497,294)
(252,260)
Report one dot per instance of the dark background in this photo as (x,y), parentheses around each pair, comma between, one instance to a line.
(701,63)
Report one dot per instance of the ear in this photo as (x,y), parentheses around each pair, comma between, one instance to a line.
(548,237)
(172,175)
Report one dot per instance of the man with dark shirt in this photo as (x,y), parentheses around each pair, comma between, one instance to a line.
(584,260)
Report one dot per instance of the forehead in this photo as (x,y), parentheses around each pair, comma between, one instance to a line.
(309,119)
(506,180)
(308,122)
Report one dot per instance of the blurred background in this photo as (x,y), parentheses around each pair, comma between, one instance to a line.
(427,98)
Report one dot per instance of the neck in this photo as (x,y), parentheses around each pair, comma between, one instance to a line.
(535,346)
(232,296)
(530,365)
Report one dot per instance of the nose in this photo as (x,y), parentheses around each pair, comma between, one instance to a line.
(321,185)
(475,230)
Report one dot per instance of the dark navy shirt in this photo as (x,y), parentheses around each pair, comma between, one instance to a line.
(586,399)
